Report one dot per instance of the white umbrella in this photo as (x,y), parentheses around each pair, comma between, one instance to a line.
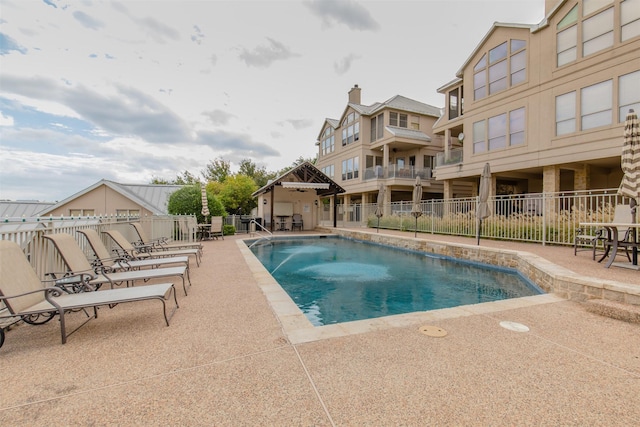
(630,163)
(379,205)
(483,210)
(205,202)
(416,210)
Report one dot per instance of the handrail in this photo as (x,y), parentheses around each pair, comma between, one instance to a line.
(268,237)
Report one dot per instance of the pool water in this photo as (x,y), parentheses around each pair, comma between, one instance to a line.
(334,279)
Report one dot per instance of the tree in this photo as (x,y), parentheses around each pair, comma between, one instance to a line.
(297,162)
(236,194)
(250,169)
(188,201)
(217,170)
(187,178)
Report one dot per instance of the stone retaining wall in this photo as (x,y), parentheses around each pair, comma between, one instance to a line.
(548,276)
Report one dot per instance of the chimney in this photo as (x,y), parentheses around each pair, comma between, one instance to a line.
(354,95)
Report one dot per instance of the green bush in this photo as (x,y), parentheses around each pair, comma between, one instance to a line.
(188,201)
(228,230)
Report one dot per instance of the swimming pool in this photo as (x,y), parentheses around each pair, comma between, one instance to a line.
(334,280)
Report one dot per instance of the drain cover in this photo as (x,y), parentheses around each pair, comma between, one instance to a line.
(513,326)
(433,331)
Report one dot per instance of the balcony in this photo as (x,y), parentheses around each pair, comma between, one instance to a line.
(454,158)
(393,171)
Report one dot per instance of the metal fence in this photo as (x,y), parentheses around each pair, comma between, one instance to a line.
(547,218)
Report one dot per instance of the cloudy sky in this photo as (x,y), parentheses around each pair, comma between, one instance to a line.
(133,90)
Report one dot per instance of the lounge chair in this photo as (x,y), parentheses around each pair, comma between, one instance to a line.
(103,258)
(24,296)
(163,242)
(77,263)
(147,251)
(296,222)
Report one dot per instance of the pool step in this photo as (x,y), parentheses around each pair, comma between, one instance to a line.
(616,310)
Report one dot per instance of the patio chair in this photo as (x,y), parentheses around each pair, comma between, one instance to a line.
(296,222)
(217,228)
(123,262)
(600,238)
(163,242)
(26,298)
(622,215)
(588,242)
(77,263)
(147,251)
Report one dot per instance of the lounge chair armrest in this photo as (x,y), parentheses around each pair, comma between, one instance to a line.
(75,283)
(54,289)
(143,248)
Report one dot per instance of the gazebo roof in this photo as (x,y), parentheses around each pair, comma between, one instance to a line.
(304,176)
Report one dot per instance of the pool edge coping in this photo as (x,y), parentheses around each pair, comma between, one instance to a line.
(560,284)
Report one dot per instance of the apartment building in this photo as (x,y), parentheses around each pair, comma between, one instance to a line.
(544,104)
(388,143)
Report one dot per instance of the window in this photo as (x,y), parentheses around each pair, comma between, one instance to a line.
(328,141)
(497,132)
(377,127)
(596,28)
(398,119)
(350,168)
(453,104)
(480,79)
(596,105)
(516,127)
(566,113)
(507,67)
(567,45)
(82,212)
(328,170)
(630,19)
(415,122)
(351,128)
(400,162)
(479,143)
(498,68)
(597,32)
(590,6)
(127,212)
(629,94)
(518,68)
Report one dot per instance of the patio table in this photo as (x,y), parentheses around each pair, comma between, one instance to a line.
(612,236)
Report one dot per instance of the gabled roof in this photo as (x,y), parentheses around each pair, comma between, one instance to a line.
(480,45)
(331,122)
(304,173)
(152,197)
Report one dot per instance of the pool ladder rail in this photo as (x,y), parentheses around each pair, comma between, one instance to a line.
(258,230)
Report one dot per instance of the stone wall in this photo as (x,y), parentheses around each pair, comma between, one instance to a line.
(548,276)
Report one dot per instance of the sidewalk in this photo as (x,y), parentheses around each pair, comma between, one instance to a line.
(226,361)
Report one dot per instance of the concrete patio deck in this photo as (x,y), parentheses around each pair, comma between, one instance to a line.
(226,360)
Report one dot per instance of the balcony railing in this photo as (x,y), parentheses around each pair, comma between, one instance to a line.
(453,158)
(393,171)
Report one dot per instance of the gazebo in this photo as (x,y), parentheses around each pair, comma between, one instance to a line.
(296,192)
